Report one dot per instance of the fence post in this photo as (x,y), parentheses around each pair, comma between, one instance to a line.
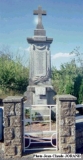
(13,110)
(66,109)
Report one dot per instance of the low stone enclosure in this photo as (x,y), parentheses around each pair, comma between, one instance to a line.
(69,133)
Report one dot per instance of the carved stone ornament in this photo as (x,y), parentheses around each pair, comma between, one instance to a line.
(39,47)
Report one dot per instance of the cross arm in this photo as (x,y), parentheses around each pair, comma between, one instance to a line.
(35,12)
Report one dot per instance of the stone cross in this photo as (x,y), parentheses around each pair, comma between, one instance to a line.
(39,12)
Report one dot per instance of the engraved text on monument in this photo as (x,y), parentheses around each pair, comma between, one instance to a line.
(39,63)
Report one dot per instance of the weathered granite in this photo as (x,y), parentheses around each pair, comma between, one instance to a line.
(39,53)
(40,94)
(66,97)
(66,138)
(39,12)
(12,99)
(38,39)
(41,60)
(40,65)
(13,127)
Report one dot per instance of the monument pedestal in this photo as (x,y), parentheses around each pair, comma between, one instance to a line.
(40,91)
(40,95)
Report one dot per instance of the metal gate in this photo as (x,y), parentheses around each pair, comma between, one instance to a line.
(39,127)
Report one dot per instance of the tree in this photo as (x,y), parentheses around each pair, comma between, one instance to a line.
(78,85)
(63,79)
(69,79)
(13,74)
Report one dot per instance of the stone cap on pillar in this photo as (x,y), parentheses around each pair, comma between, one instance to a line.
(12,99)
(65,97)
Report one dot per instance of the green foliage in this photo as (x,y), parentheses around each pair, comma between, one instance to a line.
(69,79)
(13,75)
(63,79)
(27,113)
(80,98)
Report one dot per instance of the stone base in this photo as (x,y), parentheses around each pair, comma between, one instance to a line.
(40,95)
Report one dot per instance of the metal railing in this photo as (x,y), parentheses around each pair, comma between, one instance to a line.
(30,135)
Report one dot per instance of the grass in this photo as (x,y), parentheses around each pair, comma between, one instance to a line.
(5,93)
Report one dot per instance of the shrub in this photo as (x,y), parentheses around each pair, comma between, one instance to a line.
(13,75)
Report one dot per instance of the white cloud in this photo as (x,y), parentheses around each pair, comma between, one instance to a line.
(27,49)
(24,49)
(60,55)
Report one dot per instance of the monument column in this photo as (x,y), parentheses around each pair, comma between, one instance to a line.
(40,90)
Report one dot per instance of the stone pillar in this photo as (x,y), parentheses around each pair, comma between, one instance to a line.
(65,115)
(13,110)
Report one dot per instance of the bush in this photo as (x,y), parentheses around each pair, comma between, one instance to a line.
(13,75)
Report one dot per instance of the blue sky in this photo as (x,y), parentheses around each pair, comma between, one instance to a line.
(63,23)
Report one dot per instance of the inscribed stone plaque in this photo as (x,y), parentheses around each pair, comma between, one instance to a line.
(40,91)
(40,101)
(39,63)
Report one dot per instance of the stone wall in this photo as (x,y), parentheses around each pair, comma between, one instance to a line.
(67,140)
(13,126)
(1,150)
(65,115)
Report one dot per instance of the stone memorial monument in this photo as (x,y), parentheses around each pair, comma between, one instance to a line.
(40,90)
